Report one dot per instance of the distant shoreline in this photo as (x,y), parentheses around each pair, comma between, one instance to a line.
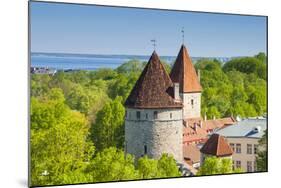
(68,61)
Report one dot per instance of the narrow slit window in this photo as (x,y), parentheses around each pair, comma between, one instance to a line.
(145,149)
(138,114)
(155,114)
(192,102)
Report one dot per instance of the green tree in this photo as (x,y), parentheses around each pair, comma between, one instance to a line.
(147,168)
(130,66)
(59,148)
(215,165)
(261,158)
(151,168)
(261,56)
(167,167)
(39,84)
(247,65)
(112,164)
(108,130)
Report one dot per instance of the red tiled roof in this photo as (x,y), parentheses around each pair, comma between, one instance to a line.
(217,146)
(191,152)
(200,134)
(154,88)
(183,72)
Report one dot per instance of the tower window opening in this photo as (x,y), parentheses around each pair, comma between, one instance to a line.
(155,114)
(171,115)
(138,114)
(192,103)
(146,116)
(145,149)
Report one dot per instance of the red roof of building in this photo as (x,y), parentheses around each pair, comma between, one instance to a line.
(217,146)
(183,72)
(154,88)
(191,153)
(197,129)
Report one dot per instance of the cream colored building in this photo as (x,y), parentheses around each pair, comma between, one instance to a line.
(243,138)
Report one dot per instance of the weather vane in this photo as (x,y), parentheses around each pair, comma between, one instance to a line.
(153,43)
(182,31)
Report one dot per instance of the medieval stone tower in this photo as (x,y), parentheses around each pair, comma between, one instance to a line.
(154,122)
(183,72)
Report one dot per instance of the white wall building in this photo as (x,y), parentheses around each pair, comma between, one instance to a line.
(243,137)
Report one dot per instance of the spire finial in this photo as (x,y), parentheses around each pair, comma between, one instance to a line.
(182,31)
(153,43)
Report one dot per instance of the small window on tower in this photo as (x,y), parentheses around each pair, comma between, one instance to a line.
(192,102)
(171,115)
(146,116)
(138,114)
(145,149)
(155,114)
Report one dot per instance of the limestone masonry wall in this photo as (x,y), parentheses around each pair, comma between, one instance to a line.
(153,134)
(191,110)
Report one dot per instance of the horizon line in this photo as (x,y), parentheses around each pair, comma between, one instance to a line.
(75,53)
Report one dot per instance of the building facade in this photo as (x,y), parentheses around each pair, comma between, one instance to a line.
(243,137)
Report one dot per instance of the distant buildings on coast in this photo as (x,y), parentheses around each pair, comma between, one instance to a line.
(49,71)
(42,70)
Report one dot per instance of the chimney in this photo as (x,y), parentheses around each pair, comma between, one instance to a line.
(195,126)
(177,91)
(200,124)
(199,75)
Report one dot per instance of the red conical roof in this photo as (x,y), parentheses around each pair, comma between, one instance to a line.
(154,88)
(183,72)
(217,146)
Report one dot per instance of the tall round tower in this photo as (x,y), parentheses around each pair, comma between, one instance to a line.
(153,122)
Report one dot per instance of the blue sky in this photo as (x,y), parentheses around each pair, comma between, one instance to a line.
(69,28)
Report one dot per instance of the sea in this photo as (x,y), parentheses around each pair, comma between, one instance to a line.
(62,61)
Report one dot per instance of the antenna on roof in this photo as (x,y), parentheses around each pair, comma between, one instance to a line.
(182,32)
(153,43)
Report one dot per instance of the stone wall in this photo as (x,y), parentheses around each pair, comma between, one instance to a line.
(189,110)
(159,135)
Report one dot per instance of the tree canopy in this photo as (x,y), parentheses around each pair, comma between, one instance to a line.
(215,165)
(77,120)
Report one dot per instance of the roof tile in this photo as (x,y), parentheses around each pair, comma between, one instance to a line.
(154,88)
(217,146)
(183,72)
